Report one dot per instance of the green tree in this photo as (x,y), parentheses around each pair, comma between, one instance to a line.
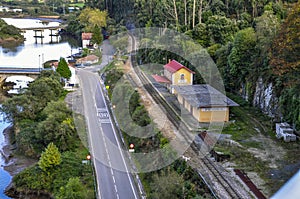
(44,90)
(221,29)
(240,57)
(57,126)
(266,28)
(63,69)
(19,107)
(49,159)
(97,37)
(74,189)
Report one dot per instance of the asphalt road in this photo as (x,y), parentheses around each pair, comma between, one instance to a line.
(114,179)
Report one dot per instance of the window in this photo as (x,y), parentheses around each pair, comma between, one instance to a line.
(182,79)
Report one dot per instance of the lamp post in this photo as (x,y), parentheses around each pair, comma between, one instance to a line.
(39,63)
(43,61)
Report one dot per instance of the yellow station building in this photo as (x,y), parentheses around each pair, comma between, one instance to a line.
(204,102)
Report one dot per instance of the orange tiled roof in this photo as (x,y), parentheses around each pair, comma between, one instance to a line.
(86,36)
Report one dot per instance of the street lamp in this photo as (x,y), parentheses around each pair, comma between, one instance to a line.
(39,63)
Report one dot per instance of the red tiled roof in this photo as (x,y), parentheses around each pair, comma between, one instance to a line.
(174,66)
(86,36)
(161,79)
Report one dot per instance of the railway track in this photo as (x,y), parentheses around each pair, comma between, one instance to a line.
(174,117)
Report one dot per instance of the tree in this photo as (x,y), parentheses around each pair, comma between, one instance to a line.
(285,65)
(44,90)
(63,69)
(221,29)
(97,36)
(90,17)
(240,57)
(19,108)
(57,126)
(286,47)
(74,189)
(50,158)
(266,28)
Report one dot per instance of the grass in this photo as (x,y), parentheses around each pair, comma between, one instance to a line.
(80,5)
(250,122)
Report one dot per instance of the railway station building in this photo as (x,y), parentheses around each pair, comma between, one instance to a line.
(177,74)
(204,102)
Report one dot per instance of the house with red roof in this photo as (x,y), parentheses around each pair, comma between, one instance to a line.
(177,74)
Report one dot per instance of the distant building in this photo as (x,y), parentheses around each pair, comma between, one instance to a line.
(204,102)
(86,39)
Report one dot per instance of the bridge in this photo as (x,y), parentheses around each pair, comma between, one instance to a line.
(42,28)
(39,29)
(10,71)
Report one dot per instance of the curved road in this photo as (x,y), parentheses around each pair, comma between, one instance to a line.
(114,179)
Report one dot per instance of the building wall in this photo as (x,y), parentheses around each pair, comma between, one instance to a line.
(196,113)
(187,106)
(214,114)
(186,80)
(168,74)
(180,99)
(85,43)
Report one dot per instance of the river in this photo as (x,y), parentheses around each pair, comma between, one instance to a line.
(30,54)
(5,178)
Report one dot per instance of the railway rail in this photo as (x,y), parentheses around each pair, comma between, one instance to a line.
(178,123)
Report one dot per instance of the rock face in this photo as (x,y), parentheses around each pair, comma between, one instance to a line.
(265,99)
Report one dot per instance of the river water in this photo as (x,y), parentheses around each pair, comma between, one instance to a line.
(30,54)
(5,178)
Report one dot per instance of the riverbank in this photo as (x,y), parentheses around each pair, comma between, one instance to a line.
(14,163)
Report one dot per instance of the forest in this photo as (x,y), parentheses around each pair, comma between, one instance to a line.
(250,41)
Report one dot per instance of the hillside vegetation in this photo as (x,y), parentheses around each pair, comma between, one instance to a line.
(9,33)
